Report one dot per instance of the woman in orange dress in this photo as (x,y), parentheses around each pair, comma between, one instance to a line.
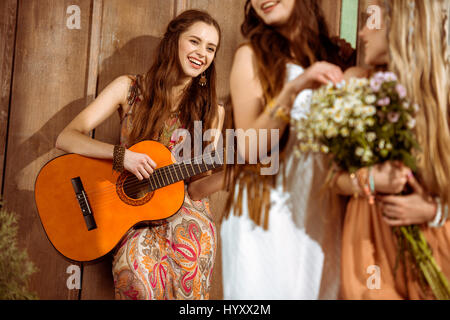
(172,258)
(412,43)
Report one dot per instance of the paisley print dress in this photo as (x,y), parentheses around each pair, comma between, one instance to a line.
(171,258)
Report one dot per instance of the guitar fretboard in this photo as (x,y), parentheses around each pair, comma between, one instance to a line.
(180,171)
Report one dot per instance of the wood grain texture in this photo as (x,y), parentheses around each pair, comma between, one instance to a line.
(47,92)
(332,12)
(94,49)
(362,8)
(130,32)
(230,15)
(8,15)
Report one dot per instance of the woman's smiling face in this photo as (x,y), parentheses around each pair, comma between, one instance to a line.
(274,12)
(197,48)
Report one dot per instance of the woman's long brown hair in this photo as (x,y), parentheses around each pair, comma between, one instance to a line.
(309,41)
(197,104)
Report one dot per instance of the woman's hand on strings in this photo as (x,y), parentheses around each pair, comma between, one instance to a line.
(139,164)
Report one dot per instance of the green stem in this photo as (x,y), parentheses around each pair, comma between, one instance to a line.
(421,252)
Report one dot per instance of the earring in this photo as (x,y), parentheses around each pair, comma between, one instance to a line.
(203,80)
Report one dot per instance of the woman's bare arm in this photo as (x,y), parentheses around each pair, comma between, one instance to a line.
(248,99)
(74,138)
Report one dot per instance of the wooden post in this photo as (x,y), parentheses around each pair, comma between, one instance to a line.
(8,16)
(332,12)
(47,92)
(363,4)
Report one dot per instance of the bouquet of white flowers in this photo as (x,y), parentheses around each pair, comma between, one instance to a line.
(364,122)
(360,123)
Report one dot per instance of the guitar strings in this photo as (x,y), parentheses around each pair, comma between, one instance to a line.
(111,196)
(158,174)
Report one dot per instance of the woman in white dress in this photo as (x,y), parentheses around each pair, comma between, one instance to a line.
(281,238)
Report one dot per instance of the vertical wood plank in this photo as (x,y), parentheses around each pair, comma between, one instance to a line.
(48,90)
(230,15)
(332,11)
(363,5)
(8,16)
(92,74)
(130,32)
(94,49)
(180,6)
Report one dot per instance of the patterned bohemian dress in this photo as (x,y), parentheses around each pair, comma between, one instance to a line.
(172,258)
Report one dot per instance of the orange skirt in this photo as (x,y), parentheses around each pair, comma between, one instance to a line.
(369,254)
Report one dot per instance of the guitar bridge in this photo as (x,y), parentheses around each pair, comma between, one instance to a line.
(84,203)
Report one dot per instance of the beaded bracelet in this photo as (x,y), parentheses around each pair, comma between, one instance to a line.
(371,181)
(356,188)
(444,219)
(118,158)
(276,112)
(439,219)
(363,177)
(282,114)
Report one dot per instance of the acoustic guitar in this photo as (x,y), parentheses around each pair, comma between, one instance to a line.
(86,208)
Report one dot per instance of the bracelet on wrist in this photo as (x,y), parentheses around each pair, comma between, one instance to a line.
(118,158)
(437,218)
(371,181)
(444,216)
(356,189)
(277,112)
(364,182)
(282,115)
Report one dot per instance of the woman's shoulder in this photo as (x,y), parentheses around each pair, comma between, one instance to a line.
(244,53)
(244,64)
(130,87)
(356,72)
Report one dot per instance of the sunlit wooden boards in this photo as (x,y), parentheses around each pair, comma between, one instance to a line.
(48,90)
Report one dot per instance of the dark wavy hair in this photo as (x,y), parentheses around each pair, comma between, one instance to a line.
(308,42)
(197,104)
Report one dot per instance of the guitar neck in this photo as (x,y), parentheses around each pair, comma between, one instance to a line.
(180,171)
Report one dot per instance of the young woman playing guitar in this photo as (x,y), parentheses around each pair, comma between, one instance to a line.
(172,258)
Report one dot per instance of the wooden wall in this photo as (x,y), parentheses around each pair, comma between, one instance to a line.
(363,5)
(49,73)
(8,18)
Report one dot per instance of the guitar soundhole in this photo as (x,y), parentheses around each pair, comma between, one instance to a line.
(132,191)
